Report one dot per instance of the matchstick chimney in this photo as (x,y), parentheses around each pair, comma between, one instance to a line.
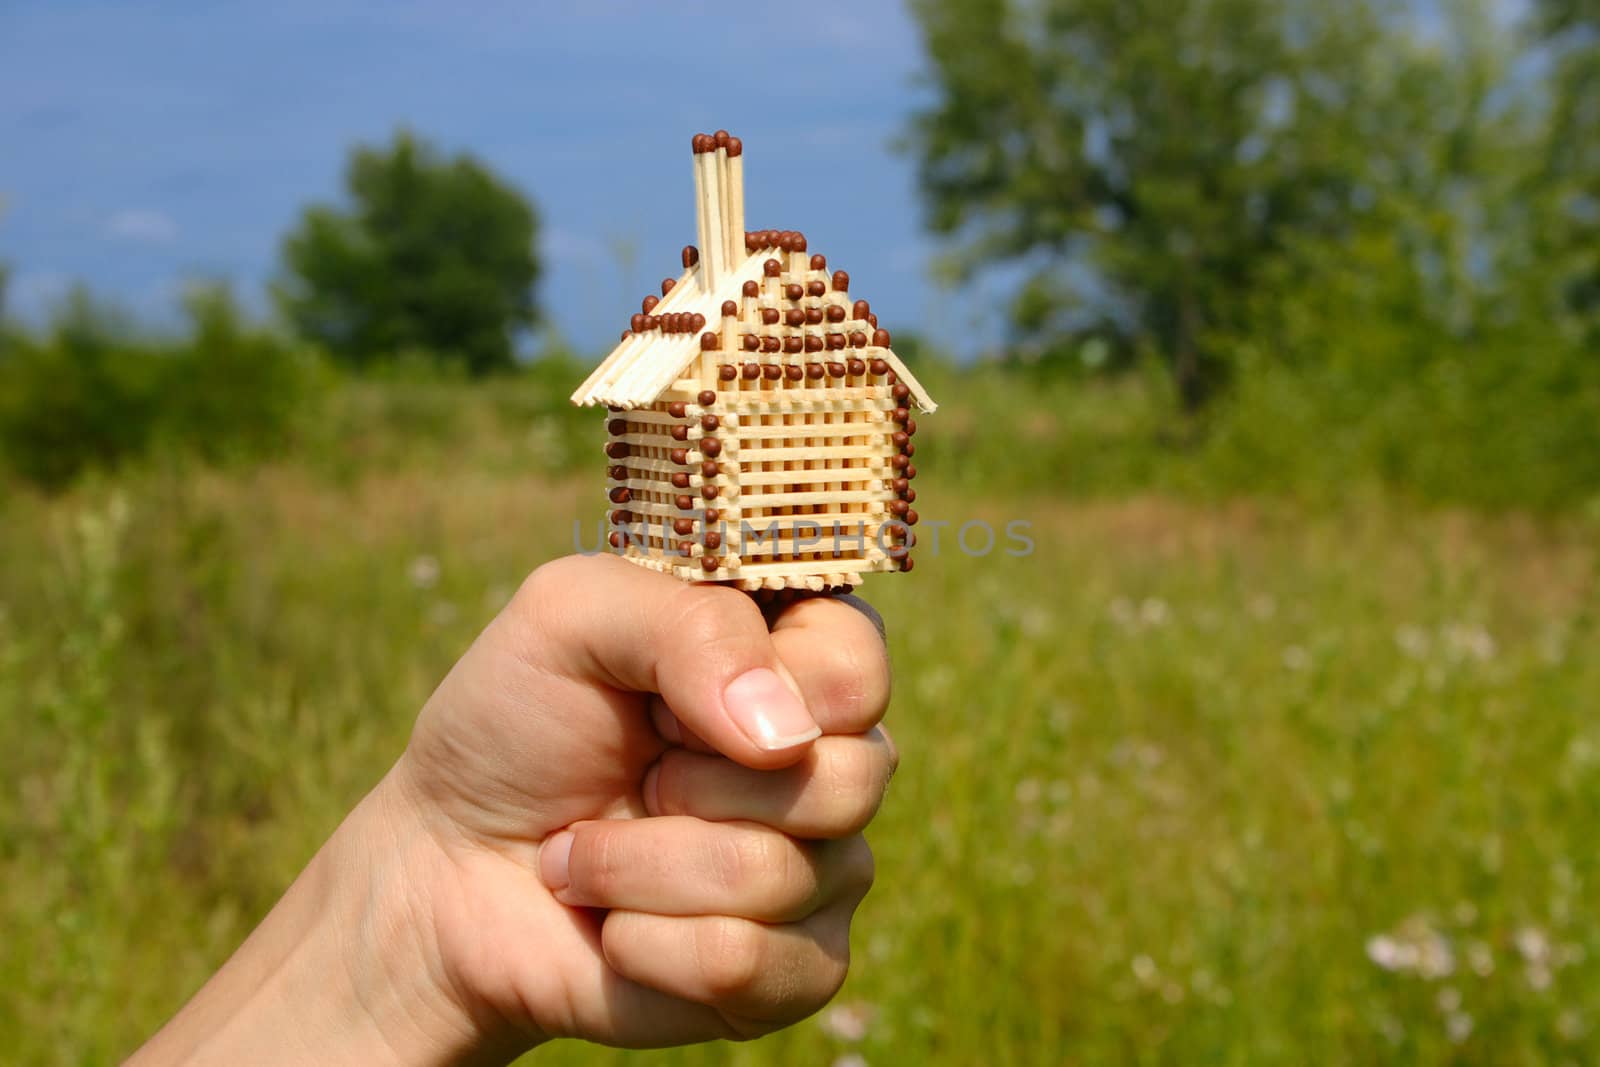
(719,204)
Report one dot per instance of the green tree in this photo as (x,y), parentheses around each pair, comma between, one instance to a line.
(1572,29)
(431,253)
(1143,159)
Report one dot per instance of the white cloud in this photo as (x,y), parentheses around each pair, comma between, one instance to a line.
(137,224)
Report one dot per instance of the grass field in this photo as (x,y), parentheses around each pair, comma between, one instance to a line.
(1235,782)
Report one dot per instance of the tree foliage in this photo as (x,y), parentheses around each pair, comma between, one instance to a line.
(1168,170)
(430,254)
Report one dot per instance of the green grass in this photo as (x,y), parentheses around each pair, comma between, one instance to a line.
(1168,783)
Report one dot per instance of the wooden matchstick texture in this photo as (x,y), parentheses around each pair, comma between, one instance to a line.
(760,425)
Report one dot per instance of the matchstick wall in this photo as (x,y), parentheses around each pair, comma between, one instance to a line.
(760,425)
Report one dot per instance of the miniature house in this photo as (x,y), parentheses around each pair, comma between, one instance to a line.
(760,426)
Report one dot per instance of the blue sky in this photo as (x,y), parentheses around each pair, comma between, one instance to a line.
(145,143)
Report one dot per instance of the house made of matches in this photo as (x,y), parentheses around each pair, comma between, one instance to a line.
(760,426)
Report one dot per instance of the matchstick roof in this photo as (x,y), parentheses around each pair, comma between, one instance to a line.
(646,362)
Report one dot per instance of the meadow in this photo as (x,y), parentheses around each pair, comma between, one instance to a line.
(1205,778)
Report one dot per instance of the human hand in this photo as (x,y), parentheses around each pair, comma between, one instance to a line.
(532,768)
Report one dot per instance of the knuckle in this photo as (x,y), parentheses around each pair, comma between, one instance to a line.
(730,954)
(597,862)
(853,777)
(711,616)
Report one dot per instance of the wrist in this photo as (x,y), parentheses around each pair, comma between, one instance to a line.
(346,967)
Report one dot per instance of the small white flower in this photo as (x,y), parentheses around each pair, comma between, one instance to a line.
(1533,944)
(1448,1000)
(1458,1027)
(1154,612)
(1480,958)
(1389,954)
(424,572)
(1296,658)
(1413,641)
(1144,969)
(848,1022)
(851,1059)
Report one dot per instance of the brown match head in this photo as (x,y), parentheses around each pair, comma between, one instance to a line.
(835,313)
(621,516)
(616,427)
(795,317)
(706,397)
(872,320)
(879,366)
(793,372)
(841,281)
(857,367)
(666,285)
(750,241)
(752,371)
(836,370)
(858,340)
(751,343)
(898,507)
(619,473)
(735,148)
(752,287)
(709,564)
(769,316)
(901,392)
(813,343)
(728,372)
(909,496)
(911,427)
(637,322)
(677,409)
(816,288)
(911,517)
(900,438)
(617,449)
(907,564)
(793,345)
(772,268)
(860,309)
(620,495)
(680,480)
(713,540)
(910,471)
(772,371)
(799,241)
(680,433)
(712,514)
(729,309)
(814,316)
(709,341)
(697,321)
(625,335)
(683,526)
(711,447)
(720,138)
(652,322)
(901,414)
(771,344)
(614,539)
(835,341)
(697,143)
(814,371)
(685,502)
(648,304)
(794,291)
(709,492)
(819,262)
(691,256)
(709,469)
(680,456)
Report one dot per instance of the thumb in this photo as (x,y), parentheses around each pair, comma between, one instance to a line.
(705,649)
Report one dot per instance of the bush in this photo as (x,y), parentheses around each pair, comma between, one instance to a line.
(95,391)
